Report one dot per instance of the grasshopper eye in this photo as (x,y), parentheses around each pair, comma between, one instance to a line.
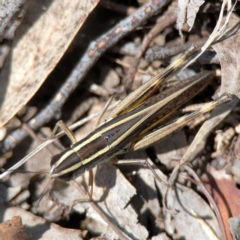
(66,177)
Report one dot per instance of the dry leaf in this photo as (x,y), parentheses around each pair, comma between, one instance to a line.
(187,11)
(227,51)
(38,228)
(9,13)
(182,9)
(44,36)
(113,194)
(226,196)
(194,213)
(234,227)
(13,229)
(189,203)
(192,11)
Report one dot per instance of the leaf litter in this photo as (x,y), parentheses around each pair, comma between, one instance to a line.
(128,200)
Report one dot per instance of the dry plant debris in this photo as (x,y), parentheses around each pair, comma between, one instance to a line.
(25,71)
(64,60)
(13,229)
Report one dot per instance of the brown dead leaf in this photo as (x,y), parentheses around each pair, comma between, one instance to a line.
(44,36)
(13,230)
(226,196)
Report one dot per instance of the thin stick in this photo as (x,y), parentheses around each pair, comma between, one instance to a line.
(169,18)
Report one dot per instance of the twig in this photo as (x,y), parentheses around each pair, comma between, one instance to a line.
(156,52)
(169,18)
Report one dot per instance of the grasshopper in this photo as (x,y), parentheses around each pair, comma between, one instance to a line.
(134,122)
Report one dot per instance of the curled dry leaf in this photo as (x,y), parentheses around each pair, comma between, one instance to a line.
(44,36)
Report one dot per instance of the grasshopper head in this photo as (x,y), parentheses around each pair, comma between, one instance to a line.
(66,165)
